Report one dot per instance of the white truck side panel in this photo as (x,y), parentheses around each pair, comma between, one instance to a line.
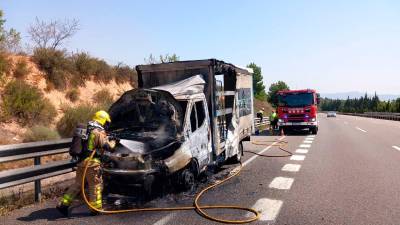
(242,121)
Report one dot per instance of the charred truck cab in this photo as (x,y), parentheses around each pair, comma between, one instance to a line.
(183,117)
(297,110)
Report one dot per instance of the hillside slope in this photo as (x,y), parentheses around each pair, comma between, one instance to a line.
(12,132)
(259,104)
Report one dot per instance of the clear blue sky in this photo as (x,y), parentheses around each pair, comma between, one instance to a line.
(332,46)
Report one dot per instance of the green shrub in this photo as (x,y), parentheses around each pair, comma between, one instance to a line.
(72,95)
(40,133)
(103,99)
(73,116)
(27,104)
(125,74)
(57,66)
(103,73)
(85,66)
(5,64)
(21,69)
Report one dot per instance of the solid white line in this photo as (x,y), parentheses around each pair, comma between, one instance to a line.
(283,183)
(165,219)
(307,142)
(268,208)
(291,167)
(361,130)
(395,147)
(302,151)
(297,157)
(305,146)
(261,152)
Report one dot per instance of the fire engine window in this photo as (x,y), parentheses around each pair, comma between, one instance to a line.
(200,113)
(193,119)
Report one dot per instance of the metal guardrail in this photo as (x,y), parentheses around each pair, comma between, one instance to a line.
(258,122)
(376,115)
(36,150)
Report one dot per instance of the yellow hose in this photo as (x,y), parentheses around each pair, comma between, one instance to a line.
(199,208)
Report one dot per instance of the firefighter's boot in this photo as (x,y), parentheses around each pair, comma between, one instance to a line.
(63,209)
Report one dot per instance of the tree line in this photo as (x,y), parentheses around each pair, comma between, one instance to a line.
(360,105)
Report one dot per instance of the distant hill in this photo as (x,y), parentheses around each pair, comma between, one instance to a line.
(356,94)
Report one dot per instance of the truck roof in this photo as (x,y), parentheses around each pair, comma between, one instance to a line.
(298,91)
(191,64)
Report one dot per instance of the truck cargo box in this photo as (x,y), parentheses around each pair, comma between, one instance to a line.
(228,91)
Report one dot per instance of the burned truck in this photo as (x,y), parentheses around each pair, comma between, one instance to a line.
(184,117)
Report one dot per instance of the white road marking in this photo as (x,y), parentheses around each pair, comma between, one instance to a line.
(291,167)
(165,219)
(361,130)
(309,138)
(268,208)
(307,142)
(283,183)
(302,151)
(298,157)
(304,146)
(261,152)
(395,147)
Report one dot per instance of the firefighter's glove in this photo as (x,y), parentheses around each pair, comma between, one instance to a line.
(113,138)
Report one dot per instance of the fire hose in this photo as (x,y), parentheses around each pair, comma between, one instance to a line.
(200,209)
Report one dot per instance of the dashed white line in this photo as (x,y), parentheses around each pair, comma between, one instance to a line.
(302,151)
(395,147)
(304,146)
(307,142)
(291,167)
(165,219)
(361,130)
(283,183)
(297,157)
(268,208)
(261,152)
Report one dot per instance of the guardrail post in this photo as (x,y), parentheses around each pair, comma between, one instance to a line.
(38,188)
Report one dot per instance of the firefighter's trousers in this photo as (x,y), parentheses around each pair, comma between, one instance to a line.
(94,184)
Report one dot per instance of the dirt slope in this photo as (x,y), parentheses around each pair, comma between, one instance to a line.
(258,104)
(11,132)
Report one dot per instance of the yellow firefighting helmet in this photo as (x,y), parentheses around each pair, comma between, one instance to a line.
(101,117)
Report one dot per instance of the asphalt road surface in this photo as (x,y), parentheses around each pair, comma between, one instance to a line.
(347,174)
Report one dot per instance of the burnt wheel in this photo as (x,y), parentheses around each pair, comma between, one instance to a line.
(187,179)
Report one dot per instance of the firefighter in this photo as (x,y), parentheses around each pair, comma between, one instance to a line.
(98,141)
(273,119)
(260,114)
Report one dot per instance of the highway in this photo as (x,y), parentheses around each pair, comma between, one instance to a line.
(346,174)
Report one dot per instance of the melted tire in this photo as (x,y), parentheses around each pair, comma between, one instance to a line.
(186,179)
